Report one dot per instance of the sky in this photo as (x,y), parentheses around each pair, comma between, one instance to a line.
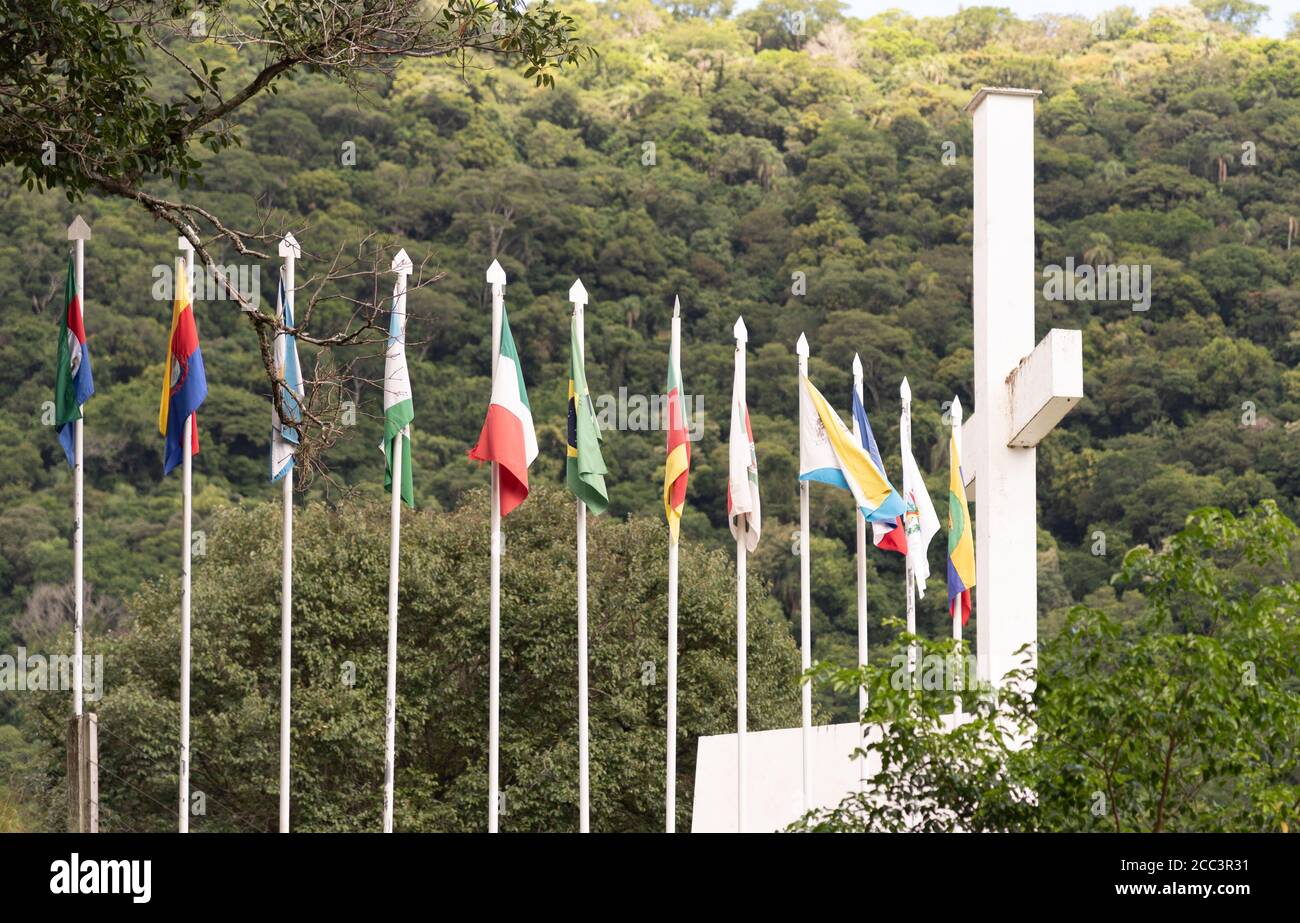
(1279,10)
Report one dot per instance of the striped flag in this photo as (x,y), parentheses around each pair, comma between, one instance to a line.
(678,464)
(73,384)
(887,535)
(284,439)
(507,437)
(185,383)
(961,544)
(829,453)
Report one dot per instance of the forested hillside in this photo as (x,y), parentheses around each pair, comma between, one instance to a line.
(816,183)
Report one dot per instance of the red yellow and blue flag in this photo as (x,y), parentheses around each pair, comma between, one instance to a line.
(678,465)
(73,384)
(185,384)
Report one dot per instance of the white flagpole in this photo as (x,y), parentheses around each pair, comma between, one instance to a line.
(79,233)
(862,564)
(742,624)
(670,771)
(402,267)
(862,549)
(496,276)
(905,452)
(290,251)
(578,295)
(805,600)
(956,620)
(185,265)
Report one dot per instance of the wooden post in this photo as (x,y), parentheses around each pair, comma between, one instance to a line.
(83,773)
(74,774)
(90,772)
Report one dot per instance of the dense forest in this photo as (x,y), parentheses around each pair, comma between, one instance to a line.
(805,170)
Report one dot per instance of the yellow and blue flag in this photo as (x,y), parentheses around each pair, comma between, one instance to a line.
(829,453)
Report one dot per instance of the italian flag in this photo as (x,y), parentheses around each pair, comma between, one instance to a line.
(507,437)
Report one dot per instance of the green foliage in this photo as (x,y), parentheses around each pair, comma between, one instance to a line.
(1183,716)
(823,156)
(340,630)
(104,95)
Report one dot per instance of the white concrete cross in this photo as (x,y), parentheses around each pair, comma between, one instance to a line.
(1021,392)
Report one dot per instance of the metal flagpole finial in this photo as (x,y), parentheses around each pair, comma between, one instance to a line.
(801,348)
(677,306)
(289,246)
(78,230)
(739,331)
(495,274)
(905,391)
(402,263)
(956,410)
(578,293)
(857,366)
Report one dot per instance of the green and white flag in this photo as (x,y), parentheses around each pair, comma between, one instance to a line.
(584,468)
(399,411)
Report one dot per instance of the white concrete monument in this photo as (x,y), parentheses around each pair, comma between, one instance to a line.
(1021,392)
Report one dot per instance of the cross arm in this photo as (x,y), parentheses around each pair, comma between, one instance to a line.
(1044,386)
(1041,390)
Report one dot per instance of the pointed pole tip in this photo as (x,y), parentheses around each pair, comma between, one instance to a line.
(801,347)
(289,246)
(78,229)
(739,331)
(677,306)
(402,263)
(905,390)
(578,292)
(495,274)
(857,366)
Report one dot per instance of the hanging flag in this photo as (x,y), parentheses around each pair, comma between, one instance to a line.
(584,468)
(829,453)
(887,535)
(185,384)
(73,384)
(399,410)
(742,479)
(678,464)
(507,437)
(920,521)
(961,543)
(284,439)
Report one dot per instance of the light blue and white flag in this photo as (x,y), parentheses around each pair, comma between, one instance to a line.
(284,438)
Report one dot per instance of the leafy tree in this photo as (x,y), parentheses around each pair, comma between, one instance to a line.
(340,625)
(113,97)
(808,189)
(1242,15)
(1183,717)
